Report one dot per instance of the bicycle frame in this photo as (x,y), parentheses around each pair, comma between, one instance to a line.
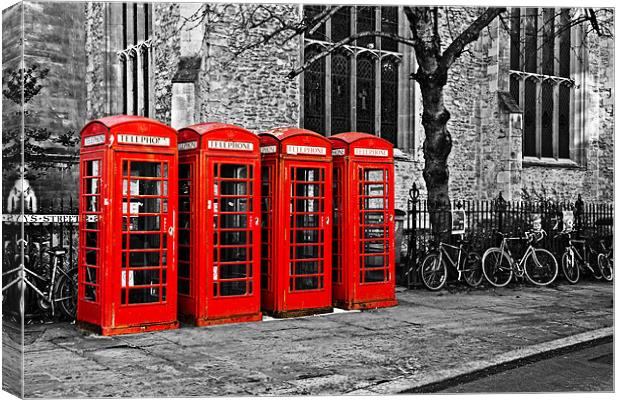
(582,258)
(517,266)
(457,264)
(23,273)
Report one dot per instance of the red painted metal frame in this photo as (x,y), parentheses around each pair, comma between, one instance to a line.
(205,148)
(356,154)
(106,296)
(296,198)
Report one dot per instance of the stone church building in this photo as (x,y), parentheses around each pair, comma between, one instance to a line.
(532,100)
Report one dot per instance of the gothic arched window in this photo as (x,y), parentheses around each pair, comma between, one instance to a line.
(357,96)
(314,94)
(365,98)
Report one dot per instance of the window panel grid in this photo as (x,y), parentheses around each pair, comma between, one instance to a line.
(306,273)
(370,272)
(132,293)
(90,253)
(241,268)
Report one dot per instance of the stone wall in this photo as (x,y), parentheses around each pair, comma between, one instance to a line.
(251,90)
(167,53)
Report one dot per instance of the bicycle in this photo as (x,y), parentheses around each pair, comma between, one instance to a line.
(434,269)
(538,265)
(574,260)
(58,290)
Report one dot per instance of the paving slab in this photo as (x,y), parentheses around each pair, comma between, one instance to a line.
(427,338)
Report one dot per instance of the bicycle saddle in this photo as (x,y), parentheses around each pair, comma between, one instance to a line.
(57,251)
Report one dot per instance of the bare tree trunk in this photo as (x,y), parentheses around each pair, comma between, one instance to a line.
(437,148)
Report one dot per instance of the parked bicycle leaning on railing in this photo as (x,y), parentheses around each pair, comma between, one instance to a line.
(579,255)
(538,265)
(434,268)
(54,286)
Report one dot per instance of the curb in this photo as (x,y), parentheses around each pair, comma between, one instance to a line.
(511,359)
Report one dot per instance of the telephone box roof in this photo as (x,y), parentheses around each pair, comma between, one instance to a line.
(281,134)
(351,137)
(116,120)
(207,127)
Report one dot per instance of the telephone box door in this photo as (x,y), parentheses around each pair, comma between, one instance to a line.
(146,229)
(309,239)
(375,230)
(234,231)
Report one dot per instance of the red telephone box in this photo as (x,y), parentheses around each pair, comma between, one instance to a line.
(127,248)
(363,245)
(296,203)
(219,229)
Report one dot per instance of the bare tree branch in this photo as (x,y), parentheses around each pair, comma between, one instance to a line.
(467,36)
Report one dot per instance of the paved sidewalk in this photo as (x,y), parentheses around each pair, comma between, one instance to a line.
(427,338)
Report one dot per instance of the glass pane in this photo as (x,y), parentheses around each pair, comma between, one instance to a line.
(373,204)
(233,171)
(374,275)
(146,169)
(90,293)
(143,295)
(143,277)
(236,271)
(232,221)
(303,236)
(143,241)
(91,257)
(184,254)
(374,175)
(307,283)
(232,188)
(144,259)
(306,221)
(92,202)
(91,239)
(234,288)
(184,171)
(92,168)
(373,218)
(228,238)
(233,254)
(139,187)
(93,186)
(234,204)
(306,267)
(374,261)
(142,223)
(374,233)
(374,247)
(308,252)
(184,237)
(307,174)
(183,286)
(90,275)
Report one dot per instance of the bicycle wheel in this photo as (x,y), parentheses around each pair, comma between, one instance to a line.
(496,267)
(570,267)
(434,272)
(606,267)
(541,267)
(65,294)
(473,269)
